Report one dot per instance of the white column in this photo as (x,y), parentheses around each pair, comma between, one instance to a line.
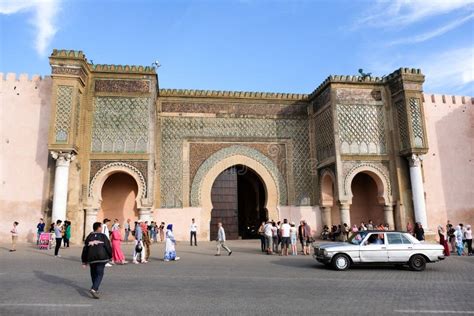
(326,216)
(417,189)
(61,178)
(345,214)
(91,218)
(388,216)
(145,214)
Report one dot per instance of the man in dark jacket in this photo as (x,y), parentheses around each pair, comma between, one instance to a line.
(96,252)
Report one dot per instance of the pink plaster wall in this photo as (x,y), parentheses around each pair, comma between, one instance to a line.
(25,108)
(449,165)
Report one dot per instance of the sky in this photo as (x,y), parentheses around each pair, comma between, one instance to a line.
(249,45)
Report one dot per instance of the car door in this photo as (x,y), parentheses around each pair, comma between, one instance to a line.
(372,252)
(397,249)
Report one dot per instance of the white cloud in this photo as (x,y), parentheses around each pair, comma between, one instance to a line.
(399,13)
(451,70)
(437,32)
(43,20)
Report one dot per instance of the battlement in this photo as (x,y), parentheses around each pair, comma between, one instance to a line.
(447,99)
(122,68)
(232,94)
(363,80)
(12,77)
(69,54)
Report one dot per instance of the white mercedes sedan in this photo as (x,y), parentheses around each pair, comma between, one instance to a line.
(381,247)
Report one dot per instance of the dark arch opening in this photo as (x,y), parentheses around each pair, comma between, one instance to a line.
(238,198)
(365,202)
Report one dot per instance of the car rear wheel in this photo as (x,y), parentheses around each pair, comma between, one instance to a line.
(417,263)
(341,262)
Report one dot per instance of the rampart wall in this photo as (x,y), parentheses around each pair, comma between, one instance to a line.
(25,109)
(449,165)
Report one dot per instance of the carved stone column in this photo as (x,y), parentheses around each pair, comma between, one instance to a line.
(145,213)
(417,190)
(91,218)
(345,214)
(388,216)
(326,216)
(61,179)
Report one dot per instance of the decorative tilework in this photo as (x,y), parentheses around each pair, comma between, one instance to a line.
(324,135)
(231,151)
(402,125)
(417,123)
(140,165)
(176,130)
(121,124)
(361,129)
(63,113)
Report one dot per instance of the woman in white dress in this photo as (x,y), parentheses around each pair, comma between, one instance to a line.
(170,250)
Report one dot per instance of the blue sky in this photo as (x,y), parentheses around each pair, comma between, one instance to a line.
(252,45)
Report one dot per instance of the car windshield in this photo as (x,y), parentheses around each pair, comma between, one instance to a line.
(357,238)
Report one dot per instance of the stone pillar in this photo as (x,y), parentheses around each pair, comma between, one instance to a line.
(91,218)
(145,214)
(61,178)
(417,190)
(345,214)
(326,216)
(388,216)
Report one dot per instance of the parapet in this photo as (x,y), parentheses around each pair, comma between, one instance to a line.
(447,99)
(12,77)
(232,94)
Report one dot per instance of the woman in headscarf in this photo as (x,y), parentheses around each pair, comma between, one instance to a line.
(442,240)
(117,253)
(170,250)
(458,234)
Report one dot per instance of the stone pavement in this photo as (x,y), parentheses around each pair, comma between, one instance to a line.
(34,282)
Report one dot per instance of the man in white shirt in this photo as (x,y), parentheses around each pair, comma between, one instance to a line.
(285,237)
(105,231)
(221,240)
(193,230)
(268,236)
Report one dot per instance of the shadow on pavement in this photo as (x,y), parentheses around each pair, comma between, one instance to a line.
(54,279)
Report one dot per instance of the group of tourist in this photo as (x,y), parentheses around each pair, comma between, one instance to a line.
(342,232)
(279,237)
(456,239)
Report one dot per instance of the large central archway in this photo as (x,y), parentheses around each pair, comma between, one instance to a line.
(238,198)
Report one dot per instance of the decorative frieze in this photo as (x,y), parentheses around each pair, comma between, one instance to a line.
(417,123)
(105,85)
(69,71)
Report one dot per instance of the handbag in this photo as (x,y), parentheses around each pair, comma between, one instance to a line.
(138,247)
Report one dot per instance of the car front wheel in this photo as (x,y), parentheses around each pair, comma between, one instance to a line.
(341,262)
(417,263)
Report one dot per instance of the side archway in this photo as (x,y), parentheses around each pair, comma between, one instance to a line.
(97,182)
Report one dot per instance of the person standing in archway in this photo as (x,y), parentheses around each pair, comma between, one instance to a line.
(193,232)
(221,240)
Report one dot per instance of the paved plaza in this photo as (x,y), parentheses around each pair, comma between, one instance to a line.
(34,282)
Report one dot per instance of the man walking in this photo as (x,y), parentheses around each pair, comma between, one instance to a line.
(193,230)
(96,252)
(138,249)
(221,240)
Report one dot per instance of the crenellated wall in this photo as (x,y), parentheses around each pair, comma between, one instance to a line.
(25,110)
(449,164)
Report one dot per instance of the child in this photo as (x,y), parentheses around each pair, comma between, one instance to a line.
(14,232)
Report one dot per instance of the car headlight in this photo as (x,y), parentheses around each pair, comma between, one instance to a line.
(325,252)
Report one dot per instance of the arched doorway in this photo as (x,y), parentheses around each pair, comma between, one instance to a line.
(330,211)
(119,194)
(366,204)
(238,198)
